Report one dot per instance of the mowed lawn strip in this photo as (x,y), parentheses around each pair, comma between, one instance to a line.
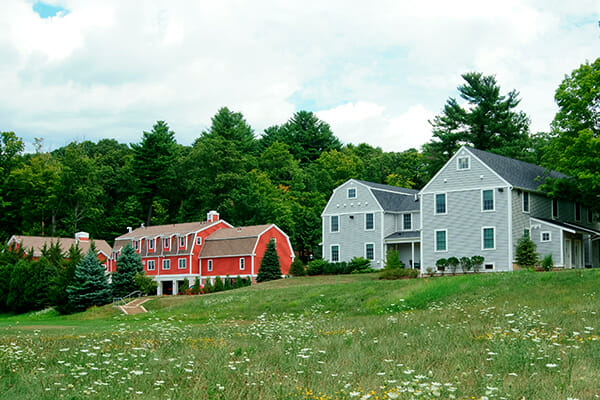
(494,336)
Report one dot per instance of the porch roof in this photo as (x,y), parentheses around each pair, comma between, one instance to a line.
(568,226)
(403,236)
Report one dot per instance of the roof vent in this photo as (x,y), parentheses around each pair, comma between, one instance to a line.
(129,229)
(142,225)
(82,237)
(239,229)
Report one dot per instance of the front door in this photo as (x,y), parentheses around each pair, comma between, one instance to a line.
(577,253)
(568,262)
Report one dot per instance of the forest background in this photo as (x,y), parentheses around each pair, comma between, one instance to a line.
(285,175)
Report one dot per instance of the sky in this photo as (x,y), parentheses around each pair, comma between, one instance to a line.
(377,71)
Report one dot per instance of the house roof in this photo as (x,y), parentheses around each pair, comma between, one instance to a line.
(232,241)
(381,186)
(166,230)
(396,201)
(519,174)
(403,235)
(37,243)
(569,226)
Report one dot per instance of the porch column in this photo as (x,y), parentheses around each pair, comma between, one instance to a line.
(412,250)
(159,288)
(175,288)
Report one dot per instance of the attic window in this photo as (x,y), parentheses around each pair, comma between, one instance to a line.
(199,240)
(352,193)
(463,163)
(182,241)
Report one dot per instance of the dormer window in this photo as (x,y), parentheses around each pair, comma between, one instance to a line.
(166,243)
(136,244)
(199,241)
(352,193)
(463,163)
(151,244)
(182,241)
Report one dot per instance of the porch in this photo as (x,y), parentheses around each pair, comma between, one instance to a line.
(408,246)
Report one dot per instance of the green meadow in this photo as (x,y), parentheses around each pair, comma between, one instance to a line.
(520,335)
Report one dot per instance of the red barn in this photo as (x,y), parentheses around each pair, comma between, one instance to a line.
(81,240)
(169,252)
(239,251)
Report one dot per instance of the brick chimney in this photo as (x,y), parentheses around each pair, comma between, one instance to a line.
(212,216)
(82,237)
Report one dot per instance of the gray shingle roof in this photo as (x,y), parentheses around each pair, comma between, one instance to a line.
(519,174)
(404,235)
(381,186)
(396,201)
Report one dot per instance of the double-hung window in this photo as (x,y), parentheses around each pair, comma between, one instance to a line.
(526,202)
(369,251)
(352,193)
(151,265)
(545,237)
(335,223)
(407,222)
(209,265)
(182,241)
(369,222)
(441,241)
(440,203)
(181,263)
(335,253)
(242,264)
(166,243)
(151,244)
(462,163)
(488,238)
(166,264)
(199,240)
(487,200)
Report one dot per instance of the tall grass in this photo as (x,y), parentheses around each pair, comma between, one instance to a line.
(514,335)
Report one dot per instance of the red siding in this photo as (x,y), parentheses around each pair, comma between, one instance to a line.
(283,250)
(224,266)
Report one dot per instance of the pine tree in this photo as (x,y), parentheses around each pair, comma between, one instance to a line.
(91,287)
(65,277)
(129,264)
(219,287)
(297,268)
(238,283)
(208,287)
(270,269)
(227,285)
(21,288)
(526,254)
(196,286)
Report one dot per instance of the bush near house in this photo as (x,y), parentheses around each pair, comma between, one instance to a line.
(297,268)
(526,255)
(441,264)
(453,264)
(548,263)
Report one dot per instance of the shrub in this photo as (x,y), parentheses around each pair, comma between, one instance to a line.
(297,268)
(208,287)
(392,260)
(441,264)
(466,264)
(270,269)
(453,264)
(196,286)
(145,284)
(398,273)
(315,267)
(238,283)
(547,263)
(477,262)
(359,264)
(185,286)
(526,254)
(219,287)
(227,285)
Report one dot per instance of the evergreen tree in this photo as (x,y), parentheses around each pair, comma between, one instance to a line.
(270,269)
(238,283)
(21,288)
(227,285)
(184,286)
(65,277)
(219,287)
(392,260)
(91,287)
(5,276)
(208,287)
(297,268)
(129,264)
(526,254)
(44,273)
(196,286)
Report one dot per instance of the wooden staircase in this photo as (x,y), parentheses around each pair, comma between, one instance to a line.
(134,307)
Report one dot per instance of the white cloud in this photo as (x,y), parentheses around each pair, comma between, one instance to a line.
(377,72)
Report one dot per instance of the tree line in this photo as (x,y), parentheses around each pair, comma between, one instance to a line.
(286,174)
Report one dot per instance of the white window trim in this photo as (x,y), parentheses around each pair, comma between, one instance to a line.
(411,223)
(435,203)
(435,247)
(166,241)
(242,263)
(373,228)
(372,244)
(184,239)
(179,262)
(493,200)
(199,241)
(331,224)
(153,265)
(542,236)
(458,163)
(167,262)
(209,265)
(528,202)
(150,244)
(489,263)
(331,252)
(483,228)
(136,245)
(348,193)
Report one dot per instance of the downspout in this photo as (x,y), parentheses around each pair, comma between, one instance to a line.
(510,233)
(421,234)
